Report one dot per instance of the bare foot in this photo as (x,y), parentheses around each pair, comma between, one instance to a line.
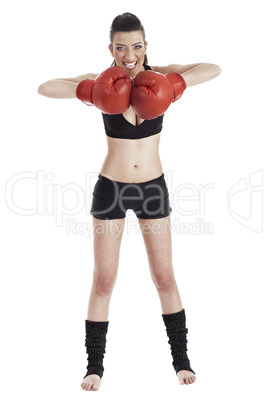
(91,382)
(186,377)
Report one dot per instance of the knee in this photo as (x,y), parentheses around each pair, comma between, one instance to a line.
(164,280)
(103,284)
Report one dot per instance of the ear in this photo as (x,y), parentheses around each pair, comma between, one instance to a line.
(146,44)
(111,50)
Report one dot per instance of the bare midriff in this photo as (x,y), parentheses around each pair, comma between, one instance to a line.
(132,161)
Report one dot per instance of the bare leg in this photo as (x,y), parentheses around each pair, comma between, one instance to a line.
(157,238)
(107,242)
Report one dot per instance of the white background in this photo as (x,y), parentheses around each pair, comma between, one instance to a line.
(215,135)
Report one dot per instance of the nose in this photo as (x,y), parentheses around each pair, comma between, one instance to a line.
(129,54)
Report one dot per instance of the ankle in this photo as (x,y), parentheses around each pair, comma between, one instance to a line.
(95,343)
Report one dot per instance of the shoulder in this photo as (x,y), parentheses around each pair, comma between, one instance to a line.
(177,68)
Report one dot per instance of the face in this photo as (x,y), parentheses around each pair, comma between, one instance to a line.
(128,50)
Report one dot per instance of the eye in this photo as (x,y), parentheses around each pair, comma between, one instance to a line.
(138,47)
(119,48)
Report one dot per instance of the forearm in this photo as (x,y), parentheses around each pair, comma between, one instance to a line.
(58,88)
(201,73)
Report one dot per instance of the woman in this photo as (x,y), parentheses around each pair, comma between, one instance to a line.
(132,173)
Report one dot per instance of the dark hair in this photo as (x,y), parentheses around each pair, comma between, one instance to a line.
(127,22)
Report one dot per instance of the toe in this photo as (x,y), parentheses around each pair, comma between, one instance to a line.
(192,379)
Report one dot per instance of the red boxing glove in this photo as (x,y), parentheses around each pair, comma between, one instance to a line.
(110,91)
(153,93)
(84,91)
(178,84)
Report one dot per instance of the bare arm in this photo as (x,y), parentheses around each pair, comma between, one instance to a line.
(193,74)
(63,88)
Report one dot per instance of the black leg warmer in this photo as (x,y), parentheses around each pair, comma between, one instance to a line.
(176,331)
(95,344)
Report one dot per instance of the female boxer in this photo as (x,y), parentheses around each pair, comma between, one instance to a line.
(131,97)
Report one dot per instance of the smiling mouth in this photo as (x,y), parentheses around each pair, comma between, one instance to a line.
(130,65)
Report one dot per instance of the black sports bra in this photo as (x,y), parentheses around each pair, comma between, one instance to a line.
(117,126)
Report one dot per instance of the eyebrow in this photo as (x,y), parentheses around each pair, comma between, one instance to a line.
(121,44)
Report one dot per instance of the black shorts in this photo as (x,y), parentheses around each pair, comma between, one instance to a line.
(148,200)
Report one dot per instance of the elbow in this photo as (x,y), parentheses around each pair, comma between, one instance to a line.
(216,69)
(213,70)
(47,89)
(42,90)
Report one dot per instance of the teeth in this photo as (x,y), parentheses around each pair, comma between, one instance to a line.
(130,65)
